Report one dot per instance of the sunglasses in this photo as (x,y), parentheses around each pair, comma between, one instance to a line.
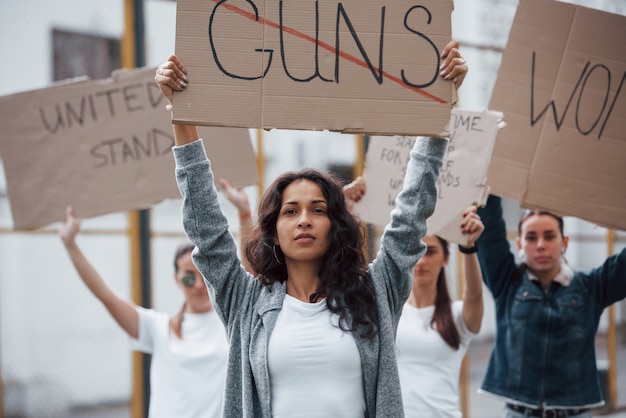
(188,280)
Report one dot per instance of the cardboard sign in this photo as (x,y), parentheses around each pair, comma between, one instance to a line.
(385,166)
(101,146)
(462,179)
(355,66)
(563,94)
(463,176)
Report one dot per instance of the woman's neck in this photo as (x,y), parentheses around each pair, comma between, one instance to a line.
(546,277)
(302,280)
(204,308)
(422,296)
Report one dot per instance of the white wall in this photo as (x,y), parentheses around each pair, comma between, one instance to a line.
(58,346)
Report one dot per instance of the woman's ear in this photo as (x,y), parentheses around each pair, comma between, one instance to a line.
(565,243)
(519,243)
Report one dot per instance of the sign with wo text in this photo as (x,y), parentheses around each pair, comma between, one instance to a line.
(564,101)
(354,66)
(101,146)
(462,178)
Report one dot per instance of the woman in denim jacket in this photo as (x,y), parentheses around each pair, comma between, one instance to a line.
(543,361)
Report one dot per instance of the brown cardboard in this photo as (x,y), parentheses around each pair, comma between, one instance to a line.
(574,163)
(217,41)
(462,179)
(101,146)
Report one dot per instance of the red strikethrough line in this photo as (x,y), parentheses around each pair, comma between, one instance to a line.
(328,47)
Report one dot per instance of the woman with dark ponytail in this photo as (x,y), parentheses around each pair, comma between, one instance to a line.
(434,332)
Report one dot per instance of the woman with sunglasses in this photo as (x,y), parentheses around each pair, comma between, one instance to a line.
(189,350)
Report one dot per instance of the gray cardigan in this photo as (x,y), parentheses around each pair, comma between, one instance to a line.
(249,310)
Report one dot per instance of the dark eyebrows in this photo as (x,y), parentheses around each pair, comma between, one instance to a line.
(313,202)
(543,231)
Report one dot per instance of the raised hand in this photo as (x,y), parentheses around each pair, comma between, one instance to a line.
(453,66)
(67,230)
(171,76)
(238,197)
(353,192)
(472,225)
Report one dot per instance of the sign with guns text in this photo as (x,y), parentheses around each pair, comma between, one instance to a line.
(354,66)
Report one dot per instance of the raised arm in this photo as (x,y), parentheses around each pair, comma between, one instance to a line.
(203,220)
(353,192)
(401,243)
(473,307)
(239,199)
(121,310)
(496,260)
(170,77)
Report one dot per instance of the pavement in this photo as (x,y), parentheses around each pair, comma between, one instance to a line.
(480,406)
(483,406)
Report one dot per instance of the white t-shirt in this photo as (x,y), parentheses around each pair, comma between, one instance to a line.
(186,376)
(429,368)
(315,367)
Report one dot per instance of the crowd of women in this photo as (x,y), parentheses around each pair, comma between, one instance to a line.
(300,324)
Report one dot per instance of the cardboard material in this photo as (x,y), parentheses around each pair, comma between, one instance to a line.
(327,65)
(101,146)
(462,179)
(561,86)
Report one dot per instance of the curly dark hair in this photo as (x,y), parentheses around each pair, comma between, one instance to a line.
(344,280)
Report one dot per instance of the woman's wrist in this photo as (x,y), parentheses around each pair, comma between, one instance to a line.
(468,250)
(185,134)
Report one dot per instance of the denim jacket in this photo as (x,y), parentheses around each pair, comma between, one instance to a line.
(544,352)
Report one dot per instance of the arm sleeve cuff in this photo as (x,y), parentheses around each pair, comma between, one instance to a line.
(189,154)
(431,146)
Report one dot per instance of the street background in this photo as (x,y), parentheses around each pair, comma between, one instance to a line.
(61,354)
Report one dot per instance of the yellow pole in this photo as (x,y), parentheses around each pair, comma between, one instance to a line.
(128,38)
(611,339)
(138,384)
(359,165)
(129,52)
(464,376)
